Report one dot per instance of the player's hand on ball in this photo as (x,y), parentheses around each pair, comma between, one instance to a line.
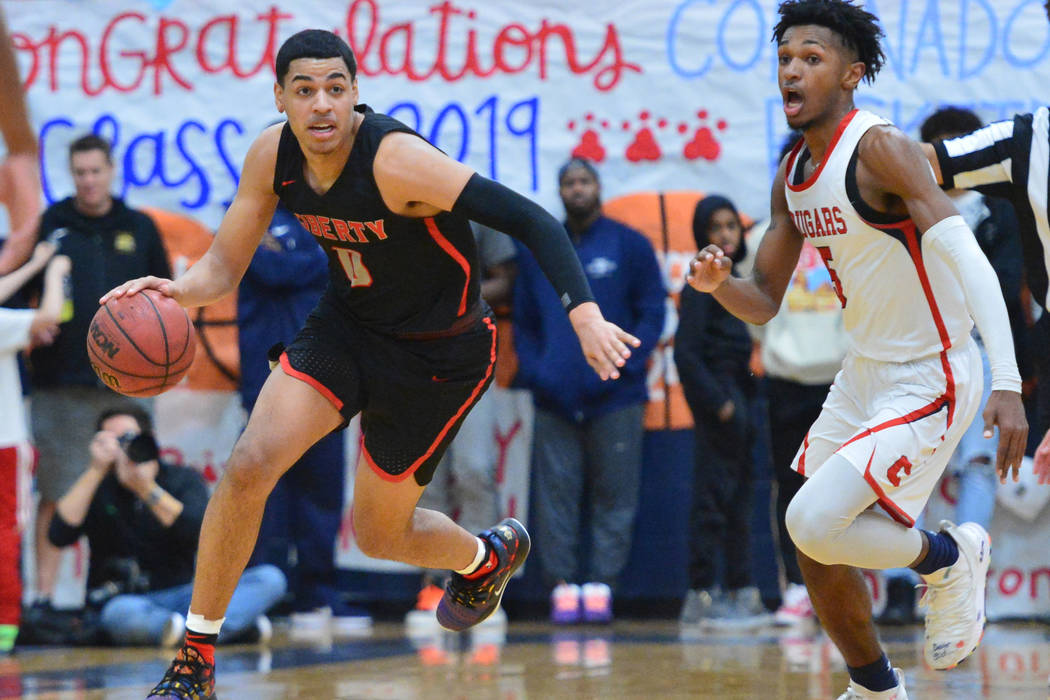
(162,285)
(1005,410)
(605,345)
(709,269)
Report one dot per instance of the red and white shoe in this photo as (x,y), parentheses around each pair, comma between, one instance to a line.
(796,607)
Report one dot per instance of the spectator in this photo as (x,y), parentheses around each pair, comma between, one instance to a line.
(800,350)
(142,518)
(464,483)
(712,350)
(586,431)
(107,243)
(20,328)
(283,283)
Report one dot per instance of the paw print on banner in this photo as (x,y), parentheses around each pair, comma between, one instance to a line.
(648,133)
(590,146)
(644,146)
(704,144)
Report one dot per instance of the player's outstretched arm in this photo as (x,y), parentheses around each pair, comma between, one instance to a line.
(413,176)
(896,164)
(757,298)
(220,269)
(19,171)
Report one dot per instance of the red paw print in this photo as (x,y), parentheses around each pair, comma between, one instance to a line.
(644,146)
(704,144)
(590,147)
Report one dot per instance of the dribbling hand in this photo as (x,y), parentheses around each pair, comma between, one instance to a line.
(164,286)
(709,269)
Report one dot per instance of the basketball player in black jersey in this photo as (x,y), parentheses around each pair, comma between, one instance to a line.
(401,336)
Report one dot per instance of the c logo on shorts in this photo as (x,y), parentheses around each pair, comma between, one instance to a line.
(894,473)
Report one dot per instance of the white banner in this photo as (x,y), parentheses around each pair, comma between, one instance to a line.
(663,94)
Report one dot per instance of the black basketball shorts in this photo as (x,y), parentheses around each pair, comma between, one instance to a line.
(412,394)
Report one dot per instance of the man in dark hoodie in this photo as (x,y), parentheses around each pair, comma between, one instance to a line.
(107,243)
(586,431)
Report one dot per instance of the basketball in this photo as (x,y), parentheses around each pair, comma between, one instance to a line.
(142,344)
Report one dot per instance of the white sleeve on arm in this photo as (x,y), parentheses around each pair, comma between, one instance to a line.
(14,328)
(983,157)
(952,240)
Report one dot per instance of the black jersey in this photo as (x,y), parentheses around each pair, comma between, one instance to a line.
(394,274)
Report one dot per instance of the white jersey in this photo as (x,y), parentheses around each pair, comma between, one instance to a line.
(898,305)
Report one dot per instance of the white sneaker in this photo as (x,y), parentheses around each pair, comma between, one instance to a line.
(796,606)
(173,631)
(264,629)
(855,691)
(954,598)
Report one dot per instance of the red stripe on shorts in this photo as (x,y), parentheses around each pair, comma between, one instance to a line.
(286,365)
(802,459)
(885,501)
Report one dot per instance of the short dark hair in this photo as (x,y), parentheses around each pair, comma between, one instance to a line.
(859,29)
(949,121)
(91,142)
(578,163)
(313,43)
(141,416)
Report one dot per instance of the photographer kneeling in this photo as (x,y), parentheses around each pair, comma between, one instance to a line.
(142,518)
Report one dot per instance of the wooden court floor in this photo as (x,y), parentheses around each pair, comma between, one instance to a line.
(536,661)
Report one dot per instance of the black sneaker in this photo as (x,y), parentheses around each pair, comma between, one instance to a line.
(189,677)
(900,603)
(469,601)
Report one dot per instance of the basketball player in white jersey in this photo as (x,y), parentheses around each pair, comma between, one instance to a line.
(910,278)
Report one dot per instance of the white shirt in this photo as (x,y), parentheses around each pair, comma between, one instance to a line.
(898,305)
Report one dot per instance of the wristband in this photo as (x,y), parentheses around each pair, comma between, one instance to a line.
(155,494)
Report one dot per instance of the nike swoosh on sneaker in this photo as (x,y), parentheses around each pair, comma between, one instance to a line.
(286,183)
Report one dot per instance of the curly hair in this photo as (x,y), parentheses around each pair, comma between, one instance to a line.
(949,121)
(859,29)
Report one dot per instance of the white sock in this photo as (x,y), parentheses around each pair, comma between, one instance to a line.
(197,623)
(479,558)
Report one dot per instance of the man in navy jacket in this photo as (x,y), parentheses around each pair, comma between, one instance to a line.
(587,431)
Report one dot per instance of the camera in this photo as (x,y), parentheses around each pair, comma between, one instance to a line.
(120,575)
(139,447)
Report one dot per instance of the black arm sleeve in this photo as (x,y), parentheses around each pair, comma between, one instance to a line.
(491,204)
(62,534)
